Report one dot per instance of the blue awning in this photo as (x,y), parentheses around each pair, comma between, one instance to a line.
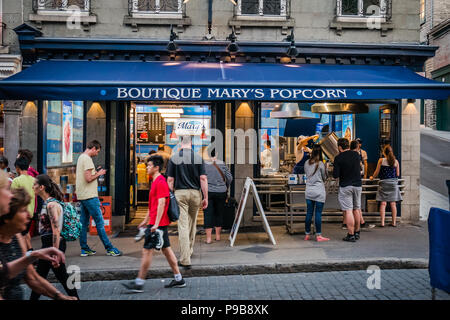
(195,81)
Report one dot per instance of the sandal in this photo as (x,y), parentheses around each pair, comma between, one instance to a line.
(393,225)
(206,242)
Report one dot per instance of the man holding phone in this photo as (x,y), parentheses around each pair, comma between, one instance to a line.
(87,194)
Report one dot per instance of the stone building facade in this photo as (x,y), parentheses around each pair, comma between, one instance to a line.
(435,31)
(337,24)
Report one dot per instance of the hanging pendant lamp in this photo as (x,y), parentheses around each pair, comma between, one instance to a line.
(203,135)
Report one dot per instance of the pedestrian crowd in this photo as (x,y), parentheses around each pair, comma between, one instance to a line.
(18,208)
(350,167)
(195,181)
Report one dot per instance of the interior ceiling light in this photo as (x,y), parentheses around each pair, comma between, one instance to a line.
(293,111)
(170,115)
(169,110)
(232,1)
(340,108)
(170,119)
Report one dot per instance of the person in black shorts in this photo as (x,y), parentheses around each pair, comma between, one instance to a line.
(156,234)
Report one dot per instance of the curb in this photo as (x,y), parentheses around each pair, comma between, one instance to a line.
(270,268)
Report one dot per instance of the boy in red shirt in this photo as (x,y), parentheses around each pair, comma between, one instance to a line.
(156,234)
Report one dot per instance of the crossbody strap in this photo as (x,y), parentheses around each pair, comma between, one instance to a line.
(224,180)
(221,173)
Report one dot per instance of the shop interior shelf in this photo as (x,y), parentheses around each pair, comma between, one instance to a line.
(329,214)
(297,205)
(272,192)
(269,185)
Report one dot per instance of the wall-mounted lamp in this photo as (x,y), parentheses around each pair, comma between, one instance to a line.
(232,47)
(292,51)
(172,47)
(410,107)
(30,104)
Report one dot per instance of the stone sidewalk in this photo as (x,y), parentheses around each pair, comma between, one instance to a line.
(430,198)
(390,248)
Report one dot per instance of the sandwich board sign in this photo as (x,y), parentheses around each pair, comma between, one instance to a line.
(249,184)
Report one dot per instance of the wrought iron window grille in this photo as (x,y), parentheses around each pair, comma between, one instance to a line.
(262,8)
(364,8)
(61,5)
(155,7)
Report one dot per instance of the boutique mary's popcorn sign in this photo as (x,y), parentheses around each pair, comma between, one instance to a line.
(233,93)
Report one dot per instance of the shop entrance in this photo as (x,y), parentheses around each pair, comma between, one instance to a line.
(156,128)
(376,126)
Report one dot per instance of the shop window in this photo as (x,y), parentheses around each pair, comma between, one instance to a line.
(167,8)
(60,6)
(64,142)
(278,136)
(164,125)
(75,13)
(262,8)
(362,8)
(64,132)
(363,15)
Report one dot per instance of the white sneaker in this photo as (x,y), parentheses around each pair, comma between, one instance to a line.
(160,239)
(140,235)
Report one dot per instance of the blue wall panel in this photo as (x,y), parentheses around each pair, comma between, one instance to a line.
(368,130)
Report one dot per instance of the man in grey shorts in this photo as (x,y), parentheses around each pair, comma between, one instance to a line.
(347,168)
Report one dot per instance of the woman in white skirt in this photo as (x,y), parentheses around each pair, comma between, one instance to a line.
(388,169)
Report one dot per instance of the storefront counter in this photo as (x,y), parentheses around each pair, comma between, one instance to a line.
(283,201)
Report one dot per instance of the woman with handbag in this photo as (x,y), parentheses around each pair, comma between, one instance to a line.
(219,179)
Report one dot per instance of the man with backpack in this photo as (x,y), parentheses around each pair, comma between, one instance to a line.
(156,234)
(87,194)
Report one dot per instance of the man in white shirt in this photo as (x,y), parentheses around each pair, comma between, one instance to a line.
(266,155)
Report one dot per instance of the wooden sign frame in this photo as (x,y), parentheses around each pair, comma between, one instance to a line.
(249,184)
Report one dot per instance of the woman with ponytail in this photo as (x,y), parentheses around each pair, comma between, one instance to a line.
(50,226)
(315,192)
(388,170)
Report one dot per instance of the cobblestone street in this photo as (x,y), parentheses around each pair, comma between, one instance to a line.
(410,284)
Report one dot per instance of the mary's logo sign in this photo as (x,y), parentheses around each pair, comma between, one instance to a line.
(190,126)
